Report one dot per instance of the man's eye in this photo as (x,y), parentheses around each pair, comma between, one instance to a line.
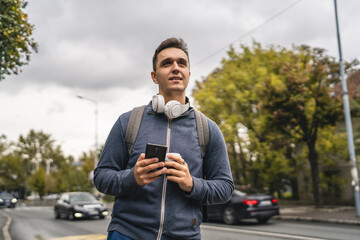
(182,63)
(166,63)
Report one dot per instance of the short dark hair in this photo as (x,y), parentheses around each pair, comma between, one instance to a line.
(170,43)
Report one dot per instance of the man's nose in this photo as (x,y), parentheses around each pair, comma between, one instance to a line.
(175,67)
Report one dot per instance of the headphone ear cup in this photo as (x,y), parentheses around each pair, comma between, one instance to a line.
(158,103)
(173,109)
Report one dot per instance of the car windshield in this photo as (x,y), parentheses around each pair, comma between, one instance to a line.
(83,197)
(5,195)
(239,193)
(250,190)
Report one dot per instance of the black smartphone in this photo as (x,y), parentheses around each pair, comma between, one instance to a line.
(155,150)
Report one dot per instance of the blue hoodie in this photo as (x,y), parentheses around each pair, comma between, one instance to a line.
(161,210)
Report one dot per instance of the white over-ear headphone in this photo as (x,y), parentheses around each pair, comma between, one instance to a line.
(172,109)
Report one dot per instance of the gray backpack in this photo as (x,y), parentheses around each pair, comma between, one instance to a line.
(135,121)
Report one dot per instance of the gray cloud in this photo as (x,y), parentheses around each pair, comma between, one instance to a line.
(102,49)
(105,44)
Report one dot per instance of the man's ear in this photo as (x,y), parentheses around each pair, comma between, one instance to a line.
(153,76)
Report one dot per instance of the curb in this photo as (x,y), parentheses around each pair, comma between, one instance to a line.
(5,229)
(310,219)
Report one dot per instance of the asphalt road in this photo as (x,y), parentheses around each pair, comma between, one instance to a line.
(38,223)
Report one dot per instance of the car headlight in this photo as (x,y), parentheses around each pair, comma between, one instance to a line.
(78,215)
(105,213)
(1,201)
(14,200)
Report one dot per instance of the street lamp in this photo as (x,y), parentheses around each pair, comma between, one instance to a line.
(96,126)
(354,171)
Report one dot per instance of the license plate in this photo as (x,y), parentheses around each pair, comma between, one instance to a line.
(92,212)
(265,203)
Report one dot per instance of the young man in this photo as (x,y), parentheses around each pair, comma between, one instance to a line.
(166,203)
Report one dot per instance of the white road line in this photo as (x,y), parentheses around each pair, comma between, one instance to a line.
(5,229)
(269,234)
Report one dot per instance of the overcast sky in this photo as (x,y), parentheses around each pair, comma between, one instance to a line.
(102,49)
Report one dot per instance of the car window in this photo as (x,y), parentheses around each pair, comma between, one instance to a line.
(5,195)
(82,198)
(65,197)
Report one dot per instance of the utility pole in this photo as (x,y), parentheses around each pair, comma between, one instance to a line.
(354,171)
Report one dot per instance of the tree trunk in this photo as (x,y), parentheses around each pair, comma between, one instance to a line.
(313,159)
(294,189)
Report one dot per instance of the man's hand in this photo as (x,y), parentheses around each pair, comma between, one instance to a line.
(142,169)
(178,171)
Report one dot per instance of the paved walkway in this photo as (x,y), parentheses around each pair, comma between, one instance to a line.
(333,214)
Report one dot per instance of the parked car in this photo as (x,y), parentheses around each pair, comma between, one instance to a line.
(244,206)
(7,200)
(79,205)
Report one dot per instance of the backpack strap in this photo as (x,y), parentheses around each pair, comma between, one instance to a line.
(203,135)
(135,121)
(133,127)
(202,131)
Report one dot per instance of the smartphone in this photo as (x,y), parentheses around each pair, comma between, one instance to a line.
(156,150)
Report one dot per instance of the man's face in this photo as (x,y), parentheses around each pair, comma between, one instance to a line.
(172,72)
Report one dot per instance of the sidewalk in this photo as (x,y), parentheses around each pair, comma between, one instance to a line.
(330,214)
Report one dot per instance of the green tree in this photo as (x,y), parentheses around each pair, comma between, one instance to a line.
(70,177)
(16,43)
(33,150)
(87,161)
(12,176)
(282,98)
(230,96)
(37,147)
(37,182)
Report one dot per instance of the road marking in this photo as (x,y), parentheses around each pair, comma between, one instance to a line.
(83,237)
(270,234)
(5,229)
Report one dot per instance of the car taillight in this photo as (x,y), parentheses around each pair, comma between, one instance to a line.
(250,202)
(274,200)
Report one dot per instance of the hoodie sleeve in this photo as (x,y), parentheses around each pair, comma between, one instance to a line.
(111,175)
(218,185)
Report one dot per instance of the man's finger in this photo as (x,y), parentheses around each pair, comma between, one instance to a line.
(175,157)
(145,162)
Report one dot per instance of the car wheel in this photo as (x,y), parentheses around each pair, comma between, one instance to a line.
(101,216)
(263,220)
(229,216)
(56,214)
